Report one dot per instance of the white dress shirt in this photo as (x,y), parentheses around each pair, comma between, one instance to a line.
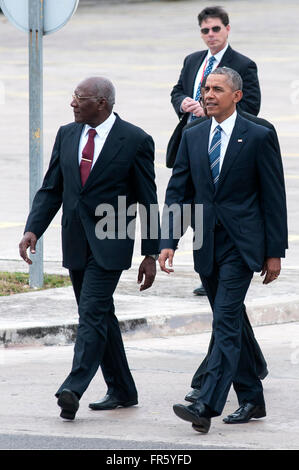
(227,129)
(102,132)
(204,64)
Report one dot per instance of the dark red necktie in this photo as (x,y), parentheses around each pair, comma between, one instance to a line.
(87,156)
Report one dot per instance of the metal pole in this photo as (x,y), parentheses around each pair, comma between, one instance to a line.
(36,23)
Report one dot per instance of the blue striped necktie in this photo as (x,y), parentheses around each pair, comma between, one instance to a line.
(207,71)
(214,154)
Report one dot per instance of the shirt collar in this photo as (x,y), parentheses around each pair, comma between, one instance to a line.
(227,125)
(103,128)
(219,54)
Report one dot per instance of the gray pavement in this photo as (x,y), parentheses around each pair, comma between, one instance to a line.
(49,317)
(141,47)
(162,368)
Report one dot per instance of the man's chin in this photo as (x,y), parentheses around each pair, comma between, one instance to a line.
(77,118)
(211,111)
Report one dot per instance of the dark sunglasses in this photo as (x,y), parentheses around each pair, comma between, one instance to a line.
(215,29)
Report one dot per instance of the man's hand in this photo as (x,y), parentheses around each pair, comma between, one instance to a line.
(271,268)
(166,254)
(147,269)
(189,105)
(29,240)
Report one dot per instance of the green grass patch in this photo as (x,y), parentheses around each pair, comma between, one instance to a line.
(16,283)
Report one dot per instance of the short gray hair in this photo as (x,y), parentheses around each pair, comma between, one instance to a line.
(101,87)
(233,77)
(104,88)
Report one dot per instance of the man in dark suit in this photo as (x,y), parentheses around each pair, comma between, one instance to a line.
(231,167)
(97,161)
(261,364)
(215,28)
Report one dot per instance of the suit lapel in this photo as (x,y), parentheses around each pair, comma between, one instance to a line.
(201,149)
(235,144)
(194,71)
(75,140)
(226,58)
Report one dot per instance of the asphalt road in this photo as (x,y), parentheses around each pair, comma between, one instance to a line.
(31,442)
(162,368)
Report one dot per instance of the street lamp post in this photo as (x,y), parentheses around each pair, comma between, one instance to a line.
(36,22)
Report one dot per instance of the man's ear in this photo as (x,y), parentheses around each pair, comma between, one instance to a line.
(238,96)
(101,103)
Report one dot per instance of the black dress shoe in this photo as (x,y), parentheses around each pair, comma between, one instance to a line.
(246,412)
(200,291)
(69,404)
(196,414)
(109,402)
(193,395)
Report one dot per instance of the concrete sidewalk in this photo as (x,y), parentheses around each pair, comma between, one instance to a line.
(49,317)
(162,369)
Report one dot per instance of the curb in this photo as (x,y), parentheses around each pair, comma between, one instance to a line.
(144,327)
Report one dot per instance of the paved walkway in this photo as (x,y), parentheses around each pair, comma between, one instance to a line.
(162,368)
(169,307)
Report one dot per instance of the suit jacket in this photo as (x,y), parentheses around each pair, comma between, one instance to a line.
(249,199)
(243,65)
(250,117)
(125,167)
(175,139)
(250,102)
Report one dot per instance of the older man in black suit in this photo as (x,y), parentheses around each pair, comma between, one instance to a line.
(95,161)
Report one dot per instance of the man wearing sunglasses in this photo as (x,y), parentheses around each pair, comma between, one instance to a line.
(215,28)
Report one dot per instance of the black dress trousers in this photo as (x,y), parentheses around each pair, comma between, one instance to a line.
(99,342)
(261,364)
(232,356)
